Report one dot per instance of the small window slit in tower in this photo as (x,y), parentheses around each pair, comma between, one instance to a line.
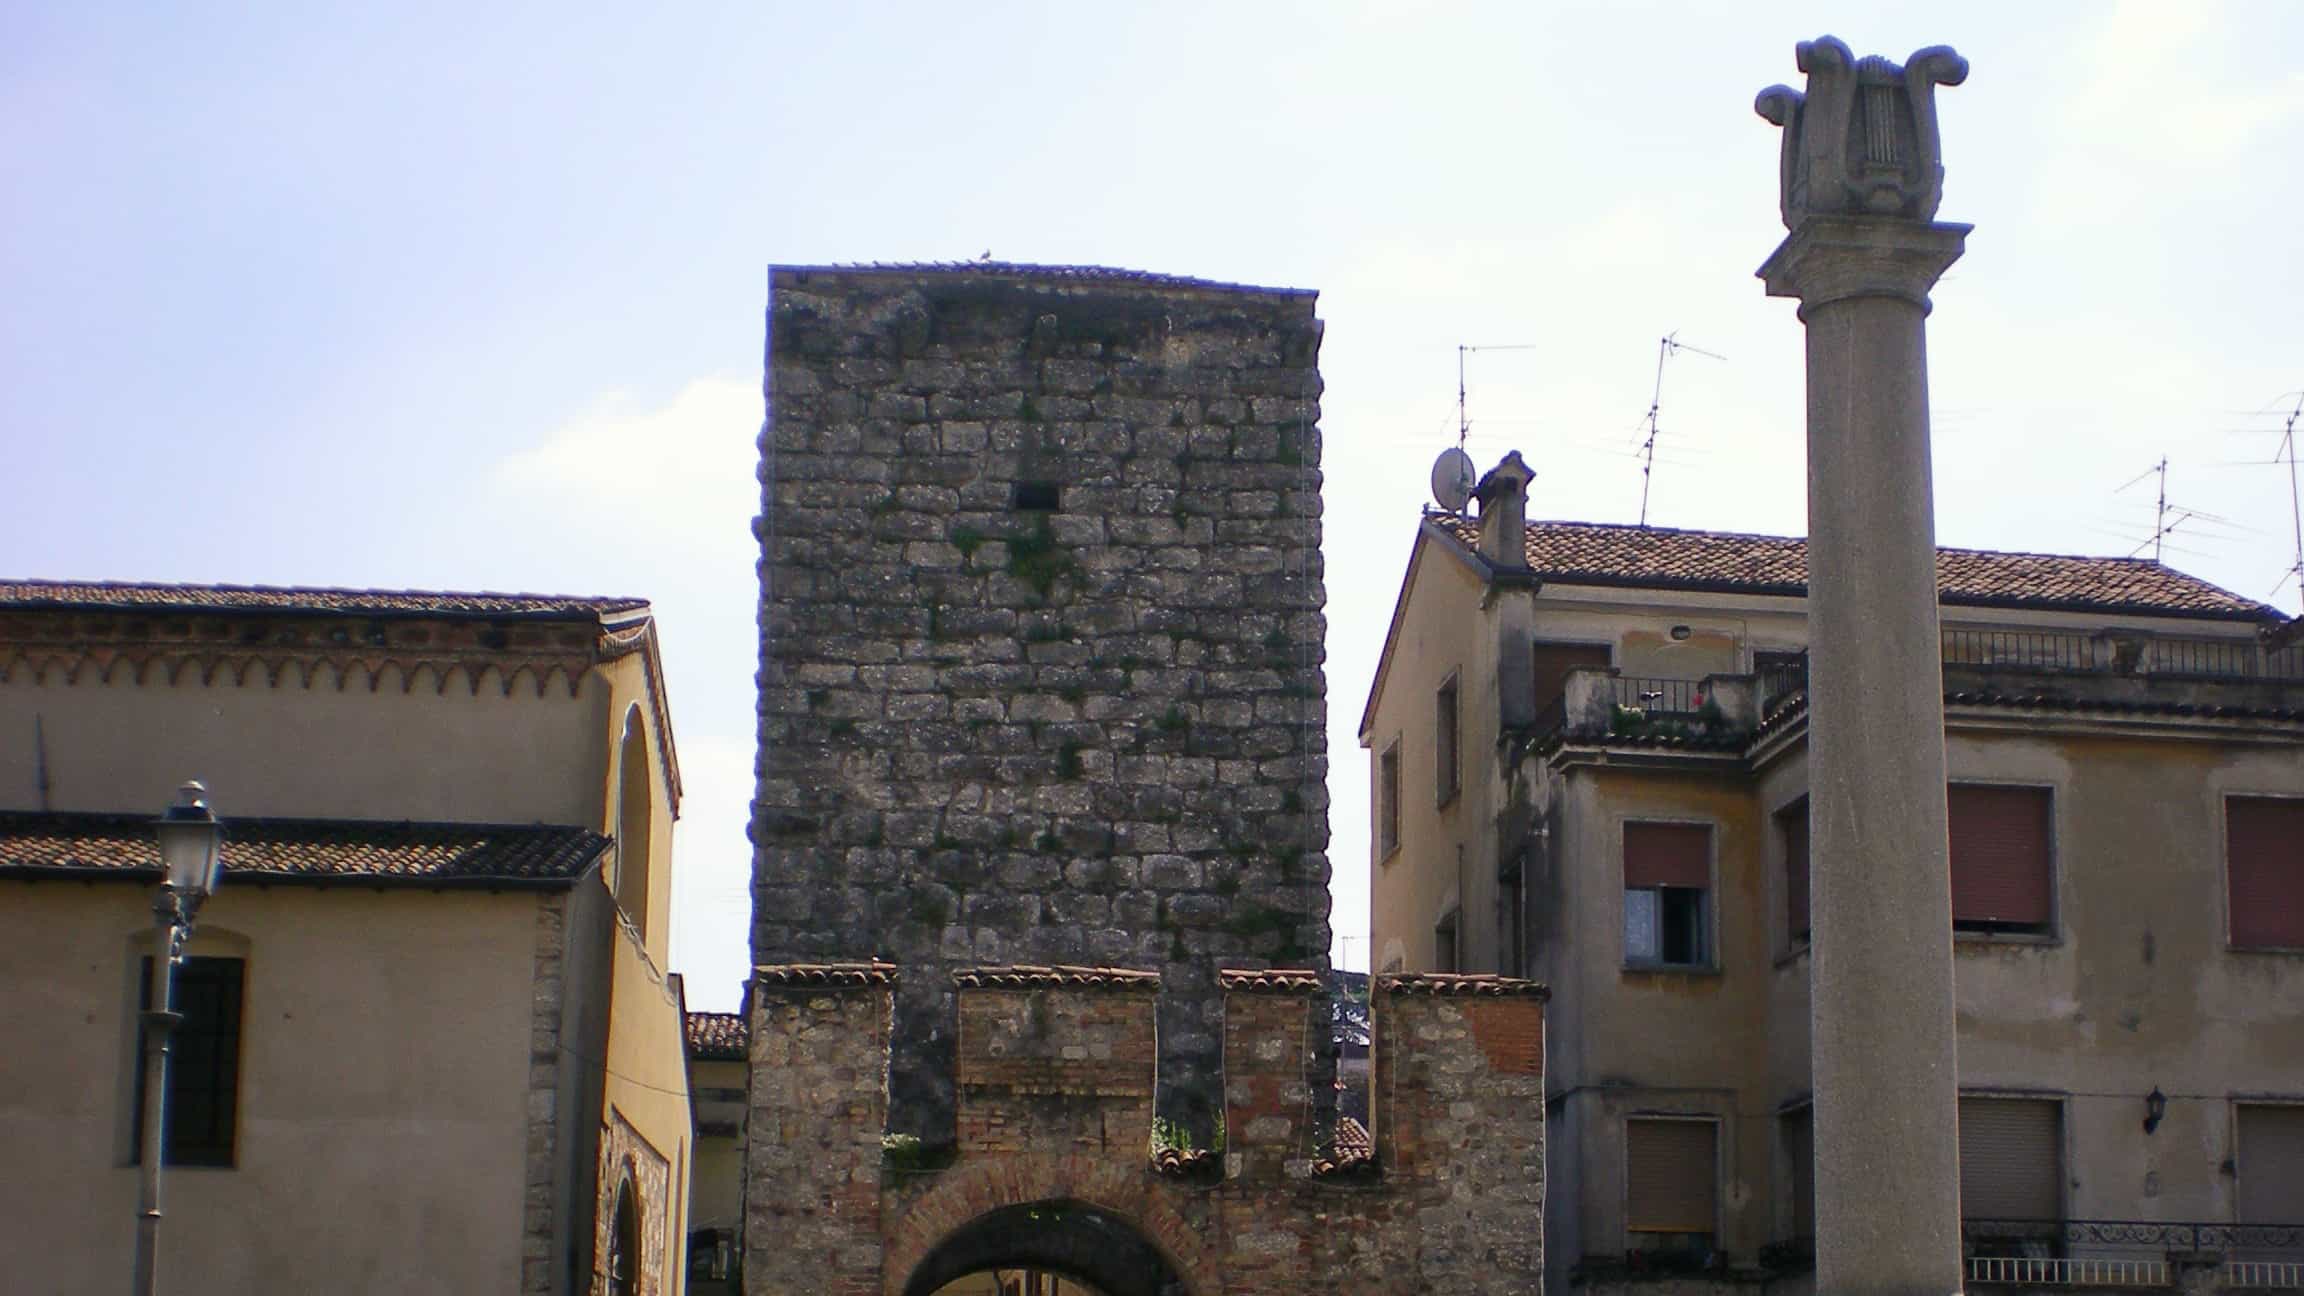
(1037,497)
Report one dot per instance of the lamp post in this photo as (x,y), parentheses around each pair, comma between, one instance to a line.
(191,849)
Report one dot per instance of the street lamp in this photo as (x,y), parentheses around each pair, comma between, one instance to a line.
(191,850)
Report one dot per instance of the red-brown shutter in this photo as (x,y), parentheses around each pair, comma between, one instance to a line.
(1671,1176)
(2264,864)
(2000,839)
(1794,820)
(1555,660)
(1674,855)
(2011,1158)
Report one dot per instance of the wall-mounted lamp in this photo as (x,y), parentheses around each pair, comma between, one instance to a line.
(2155,1107)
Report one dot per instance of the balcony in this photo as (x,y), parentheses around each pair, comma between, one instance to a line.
(2128,1254)
(2109,673)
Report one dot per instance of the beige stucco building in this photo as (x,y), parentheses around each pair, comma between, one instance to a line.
(428,1044)
(1588,766)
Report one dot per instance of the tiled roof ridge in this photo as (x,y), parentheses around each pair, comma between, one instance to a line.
(43,592)
(1354,1153)
(873,973)
(261,849)
(1483,984)
(717,1036)
(1184,1163)
(1044,271)
(1636,556)
(1270,980)
(1016,975)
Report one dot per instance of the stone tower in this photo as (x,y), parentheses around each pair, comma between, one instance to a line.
(1041,641)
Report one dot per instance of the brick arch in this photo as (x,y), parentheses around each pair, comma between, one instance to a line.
(974,1189)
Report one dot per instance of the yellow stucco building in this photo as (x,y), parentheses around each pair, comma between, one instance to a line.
(1588,766)
(428,1044)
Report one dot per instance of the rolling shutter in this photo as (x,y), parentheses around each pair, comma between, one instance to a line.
(2011,1159)
(1671,1176)
(1794,820)
(2271,1164)
(1674,855)
(2264,865)
(2000,840)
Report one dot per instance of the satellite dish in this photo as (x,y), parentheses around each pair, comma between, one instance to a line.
(1452,479)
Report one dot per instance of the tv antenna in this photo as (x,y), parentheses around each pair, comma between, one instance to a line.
(1463,418)
(2161,526)
(1666,347)
(2287,454)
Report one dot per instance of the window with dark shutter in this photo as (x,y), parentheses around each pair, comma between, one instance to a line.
(1667,882)
(1554,661)
(2001,838)
(1671,1183)
(1792,822)
(1445,741)
(1799,1127)
(203,1100)
(2271,1164)
(2264,872)
(2011,1159)
(1388,801)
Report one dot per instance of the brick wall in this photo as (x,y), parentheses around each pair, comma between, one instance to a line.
(1055,1066)
(995,731)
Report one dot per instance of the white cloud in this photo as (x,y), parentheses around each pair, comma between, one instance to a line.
(684,468)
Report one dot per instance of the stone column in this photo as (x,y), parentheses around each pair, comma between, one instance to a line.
(1861,181)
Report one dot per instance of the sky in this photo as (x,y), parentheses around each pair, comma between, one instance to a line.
(470,296)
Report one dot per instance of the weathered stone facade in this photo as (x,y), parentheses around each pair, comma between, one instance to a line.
(1041,654)
(1055,1072)
(628,1162)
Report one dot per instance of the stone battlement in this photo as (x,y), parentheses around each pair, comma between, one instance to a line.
(1055,1069)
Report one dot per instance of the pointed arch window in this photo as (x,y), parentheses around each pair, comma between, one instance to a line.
(635,821)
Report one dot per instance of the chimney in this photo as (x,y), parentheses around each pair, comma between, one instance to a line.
(1503,496)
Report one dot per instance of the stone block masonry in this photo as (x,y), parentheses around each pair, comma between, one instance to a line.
(1054,1170)
(1041,642)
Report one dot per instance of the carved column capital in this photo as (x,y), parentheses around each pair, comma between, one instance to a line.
(1833,258)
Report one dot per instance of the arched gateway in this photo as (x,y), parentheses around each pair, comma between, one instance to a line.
(1071,1239)
(1051,1171)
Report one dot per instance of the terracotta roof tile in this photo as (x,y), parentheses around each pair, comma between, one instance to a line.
(1269,980)
(825,974)
(1186,1163)
(1045,273)
(307,850)
(1484,984)
(1354,1154)
(1598,553)
(85,595)
(1025,975)
(718,1036)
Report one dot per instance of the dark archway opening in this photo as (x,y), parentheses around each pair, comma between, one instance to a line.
(1071,1240)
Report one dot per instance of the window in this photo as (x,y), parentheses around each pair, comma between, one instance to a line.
(1445,951)
(1451,777)
(1388,801)
(2264,871)
(1671,1186)
(2000,859)
(1667,873)
(635,821)
(1792,823)
(2012,1160)
(2271,1163)
(1799,1131)
(623,1261)
(203,1100)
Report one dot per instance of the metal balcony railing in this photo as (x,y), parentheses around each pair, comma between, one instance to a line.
(2025,1272)
(2069,1236)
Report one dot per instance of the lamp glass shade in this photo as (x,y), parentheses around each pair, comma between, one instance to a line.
(191,842)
